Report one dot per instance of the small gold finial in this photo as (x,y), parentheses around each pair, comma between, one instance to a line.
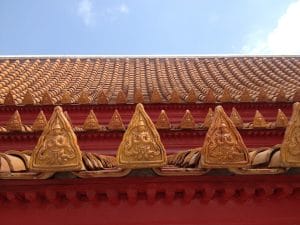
(138,96)
(47,100)
(223,145)
(226,97)
(262,96)
(66,98)
(281,97)
(155,96)
(57,148)
(187,121)
(290,148)
(296,97)
(116,122)
(141,146)
(102,98)
(175,97)
(163,121)
(28,99)
(121,98)
(236,118)
(210,97)
(40,122)
(245,96)
(191,97)
(259,120)
(9,99)
(208,118)
(15,122)
(84,97)
(281,119)
(91,122)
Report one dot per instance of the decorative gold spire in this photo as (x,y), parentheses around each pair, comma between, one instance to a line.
(116,122)
(208,118)
(226,97)
(47,100)
(245,96)
(191,97)
(28,99)
(290,148)
(163,121)
(15,122)
(9,99)
(91,122)
(84,97)
(155,96)
(210,97)
(223,145)
(175,97)
(281,119)
(138,96)
(296,97)
(281,97)
(259,120)
(57,148)
(40,122)
(66,98)
(262,96)
(102,98)
(188,121)
(141,146)
(236,118)
(121,98)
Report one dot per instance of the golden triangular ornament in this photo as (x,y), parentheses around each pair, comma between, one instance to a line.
(141,146)
(281,119)
(163,121)
(15,122)
(116,122)
(223,145)
(91,122)
(40,122)
(57,148)
(290,148)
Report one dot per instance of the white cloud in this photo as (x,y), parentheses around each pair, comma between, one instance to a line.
(123,8)
(283,39)
(85,11)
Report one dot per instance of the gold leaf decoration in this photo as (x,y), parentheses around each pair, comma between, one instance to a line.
(236,118)
(223,145)
(47,100)
(175,97)
(245,96)
(191,97)
(208,118)
(155,96)
(66,98)
(281,119)
(210,97)
(9,99)
(188,121)
(138,96)
(28,99)
(141,146)
(116,122)
(290,148)
(226,97)
(163,121)
(84,97)
(259,120)
(102,98)
(121,98)
(40,122)
(15,122)
(57,148)
(91,122)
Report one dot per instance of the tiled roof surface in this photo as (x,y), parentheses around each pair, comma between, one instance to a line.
(71,80)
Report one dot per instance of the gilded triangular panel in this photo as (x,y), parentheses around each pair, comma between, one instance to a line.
(40,122)
(281,119)
(236,118)
(9,99)
(191,97)
(187,121)
(223,145)
(57,148)
(91,122)
(28,99)
(290,148)
(102,98)
(116,122)
(208,118)
(163,121)
(47,100)
(15,122)
(141,146)
(155,96)
(259,120)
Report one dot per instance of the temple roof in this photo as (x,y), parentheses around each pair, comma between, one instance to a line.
(46,80)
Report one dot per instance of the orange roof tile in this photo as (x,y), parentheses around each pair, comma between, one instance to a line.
(61,75)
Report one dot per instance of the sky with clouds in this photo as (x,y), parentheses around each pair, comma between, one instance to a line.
(149,27)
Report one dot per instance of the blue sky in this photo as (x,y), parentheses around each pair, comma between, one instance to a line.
(148,27)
